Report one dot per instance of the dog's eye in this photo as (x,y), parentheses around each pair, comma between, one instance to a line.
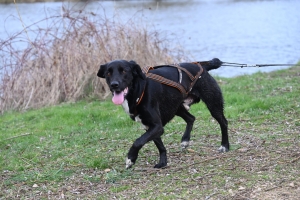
(108,74)
(122,70)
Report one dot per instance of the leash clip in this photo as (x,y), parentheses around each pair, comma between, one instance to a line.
(252,65)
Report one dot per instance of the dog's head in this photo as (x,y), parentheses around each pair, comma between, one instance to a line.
(120,75)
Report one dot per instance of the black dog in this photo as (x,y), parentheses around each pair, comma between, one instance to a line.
(154,104)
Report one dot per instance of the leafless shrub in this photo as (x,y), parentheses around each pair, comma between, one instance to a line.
(61,63)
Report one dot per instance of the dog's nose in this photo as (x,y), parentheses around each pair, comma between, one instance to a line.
(114,84)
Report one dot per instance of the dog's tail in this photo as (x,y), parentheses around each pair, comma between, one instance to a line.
(212,64)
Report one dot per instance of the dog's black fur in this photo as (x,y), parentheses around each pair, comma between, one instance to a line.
(160,103)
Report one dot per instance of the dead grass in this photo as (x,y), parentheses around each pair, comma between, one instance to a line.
(61,63)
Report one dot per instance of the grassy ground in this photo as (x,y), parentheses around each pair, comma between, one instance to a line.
(78,150)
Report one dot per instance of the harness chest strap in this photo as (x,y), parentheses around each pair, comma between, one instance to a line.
(138,100)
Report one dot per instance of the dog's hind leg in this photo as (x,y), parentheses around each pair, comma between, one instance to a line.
(214,102)
(162,153)
(189,119)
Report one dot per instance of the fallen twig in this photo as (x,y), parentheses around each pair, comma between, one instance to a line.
(292,161)
(25,134)
(272,188)
(208,197)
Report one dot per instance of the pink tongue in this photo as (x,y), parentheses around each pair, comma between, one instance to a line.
(118,98)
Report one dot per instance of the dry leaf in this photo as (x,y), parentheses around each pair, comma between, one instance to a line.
(191,150)
(241,188)
(243,150)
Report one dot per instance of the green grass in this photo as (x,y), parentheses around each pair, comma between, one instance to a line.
(78,149)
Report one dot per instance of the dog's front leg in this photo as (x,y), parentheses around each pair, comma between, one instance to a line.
(153,132)
(162,153)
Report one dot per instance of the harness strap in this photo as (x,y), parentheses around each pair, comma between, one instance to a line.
(146,69)
(166,81)
(198,75)
(138,100)
(180,75)
(172,83)
(185,70)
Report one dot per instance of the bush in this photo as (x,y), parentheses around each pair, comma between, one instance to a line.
(61,63)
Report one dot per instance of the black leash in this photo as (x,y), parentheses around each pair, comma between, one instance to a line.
(255,65)
(217,62)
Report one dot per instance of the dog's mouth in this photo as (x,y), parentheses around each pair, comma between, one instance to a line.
(119,96)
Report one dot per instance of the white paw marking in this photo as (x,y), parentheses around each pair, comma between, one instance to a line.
(185,144)
(222,149)
(129,163)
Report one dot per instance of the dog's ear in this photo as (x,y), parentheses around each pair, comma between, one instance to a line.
(136,70)
(102,71)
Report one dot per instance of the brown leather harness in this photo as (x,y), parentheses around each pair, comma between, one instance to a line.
(172,83)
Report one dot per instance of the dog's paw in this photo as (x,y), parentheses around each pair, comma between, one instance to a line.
(160,165)
(184,144)
(129,163)
(223,149)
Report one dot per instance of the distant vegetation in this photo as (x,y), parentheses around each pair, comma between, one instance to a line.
(61,63)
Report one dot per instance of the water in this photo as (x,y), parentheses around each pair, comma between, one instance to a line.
(244,31)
